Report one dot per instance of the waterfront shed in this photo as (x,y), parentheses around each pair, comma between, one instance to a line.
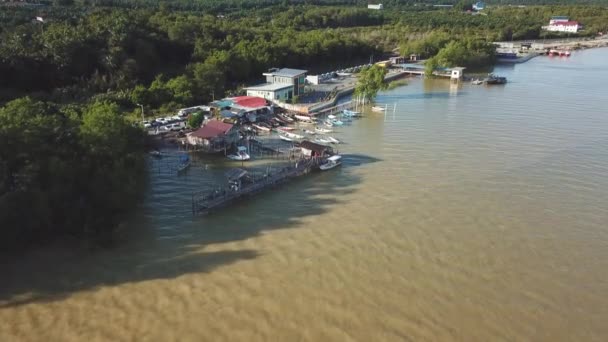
(311,149)
(214,136)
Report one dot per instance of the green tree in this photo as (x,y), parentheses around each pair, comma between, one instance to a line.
(195,120)
(371,81)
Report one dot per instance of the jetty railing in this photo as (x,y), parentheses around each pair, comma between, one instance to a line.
(203,202)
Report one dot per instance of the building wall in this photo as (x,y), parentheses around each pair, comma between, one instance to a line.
(281,95)
(562,28)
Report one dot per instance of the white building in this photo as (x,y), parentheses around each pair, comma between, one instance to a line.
(564,26)
(375,7)
(272,91)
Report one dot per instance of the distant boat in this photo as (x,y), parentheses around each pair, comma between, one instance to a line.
(378,109)
(261,127)
(285,138)
(285,129)
(322,140)
(292,135)
(331,116)
(328,123)
(156,154)
(322,130)
(303,118)
(331,162)
(337,122)
(493,79)
(184,163)
(351,113)
(241,154)
(477,82)
(285,117)
(333,140)
(307,131)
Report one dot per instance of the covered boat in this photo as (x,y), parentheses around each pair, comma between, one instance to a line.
(331,162)
(241,154)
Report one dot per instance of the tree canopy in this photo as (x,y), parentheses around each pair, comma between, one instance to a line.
(371,81)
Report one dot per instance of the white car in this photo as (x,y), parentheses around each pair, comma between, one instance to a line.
(162,121)
(146,124)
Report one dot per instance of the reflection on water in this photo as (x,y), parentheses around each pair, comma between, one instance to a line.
(469,213)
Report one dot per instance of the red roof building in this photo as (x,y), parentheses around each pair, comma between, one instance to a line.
(212,129)
(250,101)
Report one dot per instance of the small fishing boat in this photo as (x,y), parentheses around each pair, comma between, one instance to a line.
(184,163)
(293,135)
(307,131)
(331,116)
(285,129)
(303,118)
(156,154)
(331,162)
(351,113)
(477,82)
(337,122)
(285,138)
(261,127)
(285,117)
(328,123)
(322,140)
(322,130)
(493,79)
(378,109)
(333,140)
(241,154)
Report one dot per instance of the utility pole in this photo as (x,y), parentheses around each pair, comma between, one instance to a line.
(142,112)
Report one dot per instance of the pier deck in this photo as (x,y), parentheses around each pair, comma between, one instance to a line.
(205,202)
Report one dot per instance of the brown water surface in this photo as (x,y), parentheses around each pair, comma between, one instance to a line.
(472,213)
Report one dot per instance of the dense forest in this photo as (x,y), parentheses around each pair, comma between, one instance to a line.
(69,160)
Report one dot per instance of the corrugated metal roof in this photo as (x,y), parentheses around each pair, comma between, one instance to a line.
(287,72)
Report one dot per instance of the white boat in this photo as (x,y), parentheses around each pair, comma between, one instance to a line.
(328,123)
(241,154)
(307,131)
(284,137)
(292,135)
(337,122)
(331,116)
(322,140)
(331,162)
(350,113)
(285,117)
(322,130)
(378,109)
(285,129)
(333,140)
(261,128)
(477,82)
(303,118)
(183,164)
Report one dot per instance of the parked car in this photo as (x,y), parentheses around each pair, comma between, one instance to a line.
(146,124)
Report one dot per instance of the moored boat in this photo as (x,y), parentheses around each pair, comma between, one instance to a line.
(241,154)
(493,79)
(303,118)
(184,163)
(322,140)
(337,122)
(261,127)
(328,123)
(351,113)
(322,130)
(378,109)
(307,131)
(331,162)
(333,140)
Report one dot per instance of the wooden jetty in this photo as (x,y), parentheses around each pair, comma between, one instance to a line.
(204,202)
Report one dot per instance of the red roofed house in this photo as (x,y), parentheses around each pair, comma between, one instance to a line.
(562,24)
(214,136)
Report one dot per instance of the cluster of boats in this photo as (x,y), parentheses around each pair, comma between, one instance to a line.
(491,79)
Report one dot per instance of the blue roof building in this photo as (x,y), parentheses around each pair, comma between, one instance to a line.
(479,5)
